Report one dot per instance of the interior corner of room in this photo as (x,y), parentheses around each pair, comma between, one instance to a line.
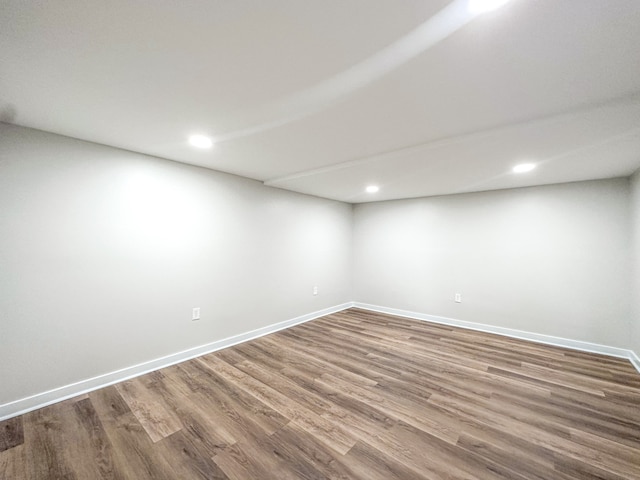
(105,252)
(363,169)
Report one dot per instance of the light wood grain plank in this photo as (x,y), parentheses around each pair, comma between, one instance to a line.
(157,421)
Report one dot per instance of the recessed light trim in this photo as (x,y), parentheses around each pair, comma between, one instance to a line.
(200,141)
(524,167)
(372,189)
(483,6)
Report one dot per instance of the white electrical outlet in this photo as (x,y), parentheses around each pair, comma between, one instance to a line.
(315,289)
(195,315)
(458,298)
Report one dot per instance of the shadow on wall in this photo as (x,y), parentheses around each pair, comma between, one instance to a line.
(8,113)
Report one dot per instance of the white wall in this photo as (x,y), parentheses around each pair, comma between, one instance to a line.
(552,260)
(635,212)
(103,254)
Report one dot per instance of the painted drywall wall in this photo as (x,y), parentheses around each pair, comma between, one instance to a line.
(635,253)
(552,260)
(103,254)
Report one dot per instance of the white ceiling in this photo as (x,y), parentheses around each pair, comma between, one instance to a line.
(326,97)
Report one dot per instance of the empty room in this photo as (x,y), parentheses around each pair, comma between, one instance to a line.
(337,239)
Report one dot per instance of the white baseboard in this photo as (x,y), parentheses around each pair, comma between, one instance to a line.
(634,359)
(508,332)
(27,404)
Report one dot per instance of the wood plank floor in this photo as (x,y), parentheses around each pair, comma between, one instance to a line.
(354,395)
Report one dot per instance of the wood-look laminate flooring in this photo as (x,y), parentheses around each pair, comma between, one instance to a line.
(354,395)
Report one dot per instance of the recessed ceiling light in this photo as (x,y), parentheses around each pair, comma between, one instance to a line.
(372,188)
(200,141)
(482,6)
(524,168)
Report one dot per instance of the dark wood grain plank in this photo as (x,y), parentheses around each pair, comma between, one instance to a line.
(98,450)
(11,433)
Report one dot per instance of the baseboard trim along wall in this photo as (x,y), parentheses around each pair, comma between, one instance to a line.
(28,404)
(39,400)
(634,359)
(509,332)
